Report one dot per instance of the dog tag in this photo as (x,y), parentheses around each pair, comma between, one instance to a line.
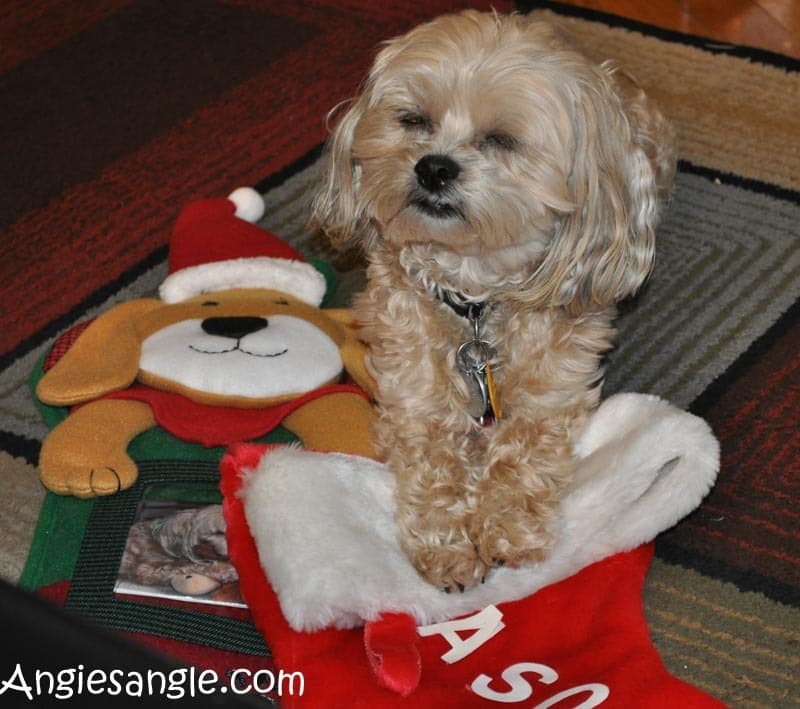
(474,355)
(478,402)
(494,399)
(472,359)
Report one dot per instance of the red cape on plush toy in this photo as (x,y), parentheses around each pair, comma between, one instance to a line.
(314,542)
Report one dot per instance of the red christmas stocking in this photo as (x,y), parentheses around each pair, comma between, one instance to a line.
(344,608)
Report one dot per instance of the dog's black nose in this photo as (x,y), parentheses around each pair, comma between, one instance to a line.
(435,172)
(234,327)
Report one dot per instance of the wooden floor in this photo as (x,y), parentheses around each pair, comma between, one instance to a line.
(767,24)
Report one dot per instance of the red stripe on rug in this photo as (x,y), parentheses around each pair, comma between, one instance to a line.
(750,521)
(53,258)
(29,28)
(122,82)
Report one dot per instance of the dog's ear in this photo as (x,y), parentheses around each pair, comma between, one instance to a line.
(622,173)
(336,209)
(354,352)
(652,132)
(104,358)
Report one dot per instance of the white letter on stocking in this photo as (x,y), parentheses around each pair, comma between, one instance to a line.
(520,688)
(486,624)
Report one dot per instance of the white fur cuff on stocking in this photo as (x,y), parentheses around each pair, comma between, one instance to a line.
(324,528)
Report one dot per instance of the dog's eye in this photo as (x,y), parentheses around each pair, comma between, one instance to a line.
(414,121)
(210,303)
(503,141)
(281,301)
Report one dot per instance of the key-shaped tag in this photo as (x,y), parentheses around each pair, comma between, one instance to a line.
(472,359)
(478,403)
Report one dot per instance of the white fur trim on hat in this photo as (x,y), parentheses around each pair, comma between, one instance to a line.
(295,278)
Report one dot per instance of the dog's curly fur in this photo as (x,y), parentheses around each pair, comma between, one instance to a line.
(548,176)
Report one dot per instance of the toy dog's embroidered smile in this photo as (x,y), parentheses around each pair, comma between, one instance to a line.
(242,355)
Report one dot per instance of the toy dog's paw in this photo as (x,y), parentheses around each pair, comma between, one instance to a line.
(451,566)
(85,454)
(85,480)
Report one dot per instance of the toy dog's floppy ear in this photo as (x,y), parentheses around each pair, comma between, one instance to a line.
(353,351)
(104,358)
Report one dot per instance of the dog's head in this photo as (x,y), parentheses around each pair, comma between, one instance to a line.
(488,145)
(243,347)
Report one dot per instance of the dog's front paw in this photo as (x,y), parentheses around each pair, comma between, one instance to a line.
(451,566)
(514,538)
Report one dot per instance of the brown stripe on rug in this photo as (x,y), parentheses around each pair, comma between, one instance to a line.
(732,114)
(739,646)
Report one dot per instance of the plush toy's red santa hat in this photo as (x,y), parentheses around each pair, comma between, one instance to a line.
(216,246)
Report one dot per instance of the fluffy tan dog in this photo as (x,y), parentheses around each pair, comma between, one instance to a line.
(505,190)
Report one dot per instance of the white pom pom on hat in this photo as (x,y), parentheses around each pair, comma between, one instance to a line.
(217,246)
(249,204)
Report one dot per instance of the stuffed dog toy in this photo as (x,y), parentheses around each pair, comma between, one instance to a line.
(235,346)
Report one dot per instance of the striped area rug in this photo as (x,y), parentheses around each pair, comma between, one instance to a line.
(714,331)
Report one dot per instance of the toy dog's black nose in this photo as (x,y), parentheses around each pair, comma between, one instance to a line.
(435,172)
(234,327)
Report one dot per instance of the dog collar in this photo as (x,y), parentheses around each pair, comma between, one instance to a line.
(473,358)
(461,305)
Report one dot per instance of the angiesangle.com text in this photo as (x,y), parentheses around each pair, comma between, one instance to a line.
(177,684)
